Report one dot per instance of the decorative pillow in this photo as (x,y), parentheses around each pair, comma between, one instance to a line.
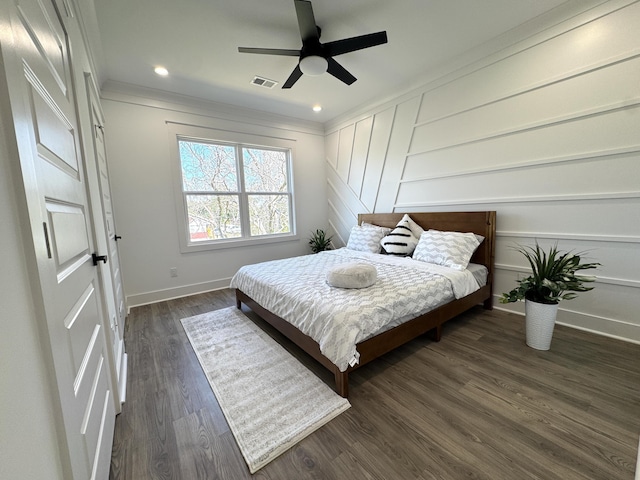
(366,238)
(352,275)
(415,228)
(403,239)
(449,249)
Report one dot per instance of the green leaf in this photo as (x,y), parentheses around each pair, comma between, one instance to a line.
(553,274)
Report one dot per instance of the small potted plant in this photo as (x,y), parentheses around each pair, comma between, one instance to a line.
(319,241)
(553,279)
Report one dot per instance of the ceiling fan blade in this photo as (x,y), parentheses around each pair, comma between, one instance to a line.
(293,78)
(270,51)
(338,71)
(354,43)
(306,20)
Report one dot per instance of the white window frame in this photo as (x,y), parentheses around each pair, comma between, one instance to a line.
(179,132)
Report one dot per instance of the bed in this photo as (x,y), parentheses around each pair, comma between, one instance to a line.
(290,294)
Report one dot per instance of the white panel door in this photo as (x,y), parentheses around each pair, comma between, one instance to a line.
(110,271)
(43,104)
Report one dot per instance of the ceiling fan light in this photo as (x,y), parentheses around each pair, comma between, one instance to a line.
(313,65)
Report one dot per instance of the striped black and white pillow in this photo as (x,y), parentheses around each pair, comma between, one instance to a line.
(403,239)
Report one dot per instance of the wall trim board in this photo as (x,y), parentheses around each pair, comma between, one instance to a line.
(344,224)
(591,197)
(387,143)
(396,156)
(607,327)
(582,237)
(339,216)
(363,150)
(350,160)
(619,282)
(139,299)
(609,62)
(336,235)
(542,124)
(557,21)
(552,161)
(152,98)
(332,186)
(334,209)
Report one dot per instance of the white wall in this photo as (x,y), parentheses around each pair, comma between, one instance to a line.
(545,131)
(140,168)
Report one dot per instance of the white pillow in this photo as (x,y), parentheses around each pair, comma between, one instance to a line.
(449,249)
(366,238)
(415,228)
(352,275)
(403,239)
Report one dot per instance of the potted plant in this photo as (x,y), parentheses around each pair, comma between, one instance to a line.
(553,279)
(319,241)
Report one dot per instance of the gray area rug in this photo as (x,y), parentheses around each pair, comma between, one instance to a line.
(270,400)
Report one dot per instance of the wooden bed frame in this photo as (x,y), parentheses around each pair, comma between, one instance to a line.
(482,223)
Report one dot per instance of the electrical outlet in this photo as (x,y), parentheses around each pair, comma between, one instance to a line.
(173,271)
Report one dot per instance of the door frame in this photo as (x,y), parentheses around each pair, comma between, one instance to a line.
(110,306)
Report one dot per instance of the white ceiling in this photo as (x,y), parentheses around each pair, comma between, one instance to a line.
(197,41)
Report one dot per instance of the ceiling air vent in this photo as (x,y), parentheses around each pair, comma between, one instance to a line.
(263,82)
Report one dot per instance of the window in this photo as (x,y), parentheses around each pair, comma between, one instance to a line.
(233,192)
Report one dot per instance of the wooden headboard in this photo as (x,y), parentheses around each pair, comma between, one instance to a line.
(482,223)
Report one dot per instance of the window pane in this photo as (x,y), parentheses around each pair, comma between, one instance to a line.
(207,167)
(213,217)
(269,214)
(265,170)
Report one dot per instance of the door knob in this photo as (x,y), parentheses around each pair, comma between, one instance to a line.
(98,258)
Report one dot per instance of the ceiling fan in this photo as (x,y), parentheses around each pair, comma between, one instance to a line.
(316,58)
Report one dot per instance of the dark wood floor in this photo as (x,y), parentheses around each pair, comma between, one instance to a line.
(479,404)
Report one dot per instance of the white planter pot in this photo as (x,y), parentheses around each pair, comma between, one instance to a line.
(540,320)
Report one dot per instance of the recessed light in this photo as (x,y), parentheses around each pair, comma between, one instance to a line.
(317,108)
(163,72)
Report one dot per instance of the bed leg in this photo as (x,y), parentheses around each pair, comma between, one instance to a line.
(238,302)
(342,383)
(488,303)
(436,333)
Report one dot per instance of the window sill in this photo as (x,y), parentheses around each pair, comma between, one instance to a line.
(237,243)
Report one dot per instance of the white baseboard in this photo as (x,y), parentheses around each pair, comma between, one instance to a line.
(156,296)
(607,327)
(122,388)
(637,475)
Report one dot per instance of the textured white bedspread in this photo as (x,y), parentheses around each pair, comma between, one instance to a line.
(295,290)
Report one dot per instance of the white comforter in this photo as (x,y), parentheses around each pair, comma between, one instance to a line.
(295,290)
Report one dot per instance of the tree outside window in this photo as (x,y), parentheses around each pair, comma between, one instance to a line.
(235,191)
